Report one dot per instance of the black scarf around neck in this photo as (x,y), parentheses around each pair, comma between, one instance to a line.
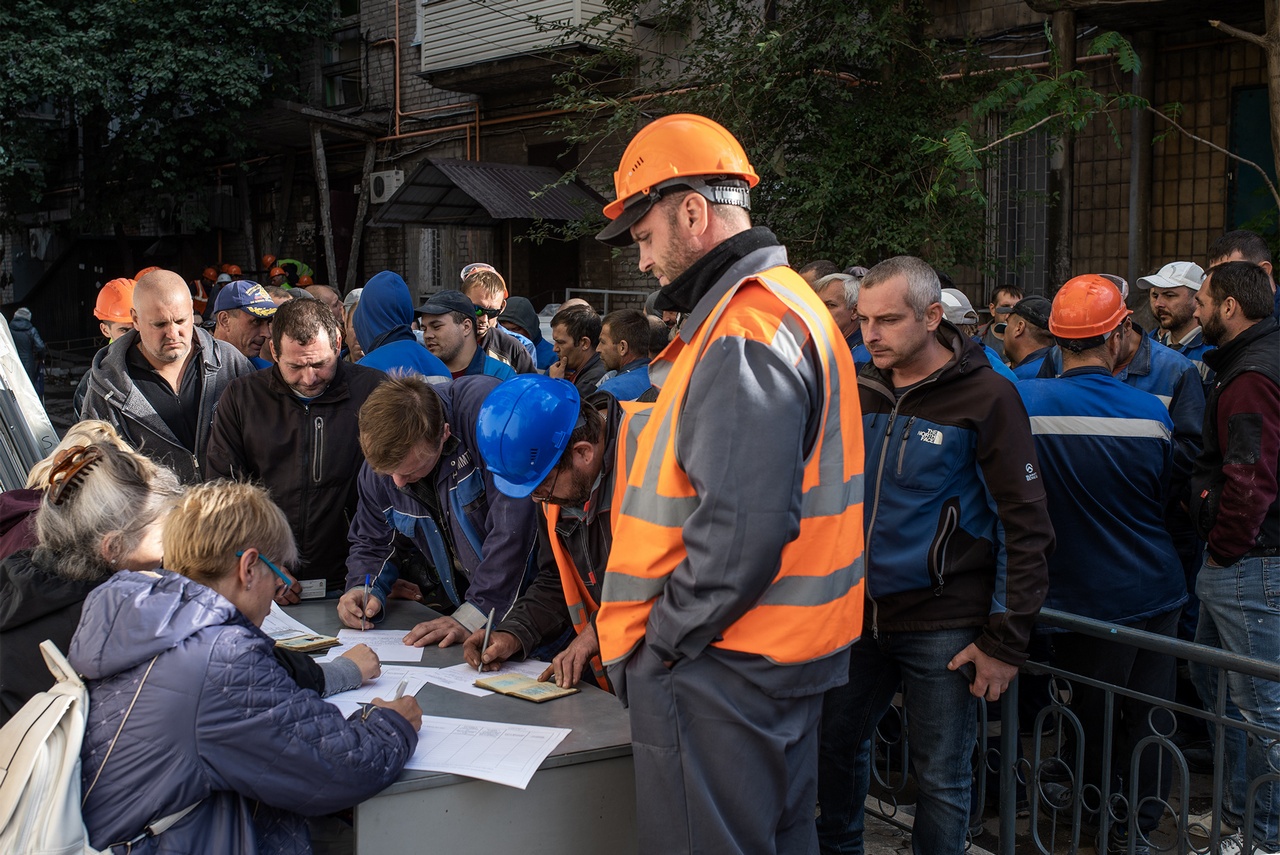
(684,292)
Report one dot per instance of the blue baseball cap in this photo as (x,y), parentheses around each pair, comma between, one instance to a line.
(242,294)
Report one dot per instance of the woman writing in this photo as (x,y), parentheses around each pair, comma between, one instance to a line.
(189,708)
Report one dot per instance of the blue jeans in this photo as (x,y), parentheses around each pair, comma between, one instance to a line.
(1240,612)
(942,728)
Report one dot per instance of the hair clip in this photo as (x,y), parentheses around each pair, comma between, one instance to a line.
(68,472)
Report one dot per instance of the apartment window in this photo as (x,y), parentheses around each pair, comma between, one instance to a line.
(1017,216)
(341,68)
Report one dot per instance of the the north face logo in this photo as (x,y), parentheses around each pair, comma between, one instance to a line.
(932,435)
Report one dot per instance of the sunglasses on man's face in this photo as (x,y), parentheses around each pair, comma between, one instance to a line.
(481,311)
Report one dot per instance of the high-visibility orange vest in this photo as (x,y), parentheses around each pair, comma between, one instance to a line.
(813,607)
(200,299)
(576,596)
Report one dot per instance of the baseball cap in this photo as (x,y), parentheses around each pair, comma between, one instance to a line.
(242,294)
(353,297)
(956,307)
(1034,309)
(447,301)
(1175,274)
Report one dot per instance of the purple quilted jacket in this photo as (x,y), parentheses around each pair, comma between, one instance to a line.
(217,722)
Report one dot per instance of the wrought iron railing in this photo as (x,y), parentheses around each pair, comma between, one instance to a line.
(1045,805)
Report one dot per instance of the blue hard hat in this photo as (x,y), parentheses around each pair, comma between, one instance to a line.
(523,428)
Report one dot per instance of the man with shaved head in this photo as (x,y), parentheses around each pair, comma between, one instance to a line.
(158,383)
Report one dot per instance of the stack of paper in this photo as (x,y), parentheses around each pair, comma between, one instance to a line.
(506,754)
(462,678)
(387,643)
(384,687)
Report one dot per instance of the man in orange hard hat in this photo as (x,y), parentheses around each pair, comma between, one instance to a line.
(733,589)
(112,309)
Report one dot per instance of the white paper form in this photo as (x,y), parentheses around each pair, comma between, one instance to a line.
(387,643)
(505,754)
(384,687)
(280,625)
(462,678)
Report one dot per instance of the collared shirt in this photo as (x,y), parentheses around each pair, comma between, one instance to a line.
(180,410)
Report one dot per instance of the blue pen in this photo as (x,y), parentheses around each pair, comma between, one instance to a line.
(365,607)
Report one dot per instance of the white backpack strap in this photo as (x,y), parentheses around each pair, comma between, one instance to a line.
(58,665)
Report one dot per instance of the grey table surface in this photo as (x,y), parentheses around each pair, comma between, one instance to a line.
(599,726)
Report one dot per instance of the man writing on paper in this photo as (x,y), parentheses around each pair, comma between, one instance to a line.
(422,481)
(539,439)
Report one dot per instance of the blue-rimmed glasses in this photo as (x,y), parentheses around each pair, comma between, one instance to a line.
(284,580)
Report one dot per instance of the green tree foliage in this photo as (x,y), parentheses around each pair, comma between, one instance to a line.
(128,98)
(829,98)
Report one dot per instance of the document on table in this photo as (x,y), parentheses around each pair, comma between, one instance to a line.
(494,751)
(387,643)
(280,625)
(462,678)
(384,687)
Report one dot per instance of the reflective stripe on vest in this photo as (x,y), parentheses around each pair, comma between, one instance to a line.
(576,596)
(813,607)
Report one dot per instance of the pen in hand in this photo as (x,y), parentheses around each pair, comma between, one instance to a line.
(404,682)
(488,631)
(364,608)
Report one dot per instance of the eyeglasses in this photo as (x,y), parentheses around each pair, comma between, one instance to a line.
(550,491)
(285,580)
(481,311)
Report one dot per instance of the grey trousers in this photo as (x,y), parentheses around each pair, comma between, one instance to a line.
(720,766)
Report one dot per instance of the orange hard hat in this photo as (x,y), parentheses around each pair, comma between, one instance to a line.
(225,267)
(143,272)
(677,150)
(114,301)
(277,271)
(304,281)
(234,270)
(210,274)
(268,261)
(1087,306)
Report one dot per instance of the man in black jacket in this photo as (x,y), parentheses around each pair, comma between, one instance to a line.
(293,428)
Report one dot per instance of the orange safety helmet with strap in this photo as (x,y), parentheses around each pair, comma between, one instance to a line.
(813,607)
(681,150)
(115,299)
(1087,306)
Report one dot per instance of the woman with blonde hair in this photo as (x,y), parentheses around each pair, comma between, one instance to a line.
(189,708)
(102,511)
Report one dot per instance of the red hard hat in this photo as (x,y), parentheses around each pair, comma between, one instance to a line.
(234,270)
(277,271)
(268,261)
(143,272)
(1087,306)
(210,274)
(304,281)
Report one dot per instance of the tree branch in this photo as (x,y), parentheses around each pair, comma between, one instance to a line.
(1266,179)
(1252,38)
(1016,134)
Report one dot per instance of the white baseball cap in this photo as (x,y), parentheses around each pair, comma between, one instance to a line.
(957,308)
(1175,274)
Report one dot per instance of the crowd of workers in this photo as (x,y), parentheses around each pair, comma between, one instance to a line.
(822,486)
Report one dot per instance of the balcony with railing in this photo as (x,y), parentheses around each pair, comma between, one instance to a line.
(490,45)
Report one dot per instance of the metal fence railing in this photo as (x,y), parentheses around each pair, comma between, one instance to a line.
(1045,804)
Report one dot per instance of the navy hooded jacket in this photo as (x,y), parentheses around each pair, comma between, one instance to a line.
(384,328)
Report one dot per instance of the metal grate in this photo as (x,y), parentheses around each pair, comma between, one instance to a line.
(1017,217)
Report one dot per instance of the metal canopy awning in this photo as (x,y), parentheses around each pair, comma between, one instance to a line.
(474,193)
